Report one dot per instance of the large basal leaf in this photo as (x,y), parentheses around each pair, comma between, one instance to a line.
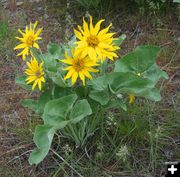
(80,110)
(37,105)
(43,137)
(154,74)
(132,84)
(59,92)
(124,81)
(55,111)
(100,96)
(43,99)
(81,91)
(139,60)
(99,83)
(120,82)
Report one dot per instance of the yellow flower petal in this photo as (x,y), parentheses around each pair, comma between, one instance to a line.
(36,45)
(97,27)
(86,73)
(82,77)
(20,46)
(34,85)
(39,84)
(85,26)
(74,77)
(69,74)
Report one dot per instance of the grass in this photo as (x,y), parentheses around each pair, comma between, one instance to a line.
(7,37)
(132,143)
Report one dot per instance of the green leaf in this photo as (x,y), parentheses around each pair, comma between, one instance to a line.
(99,83)
(30,103)
(44,98)
(120,103)
(37,105)
(152,94)
(72,41)
(60,91)
(119,40)
(120,82)
(70,45)
(36,54)
(50,62)
(94,105)
(80,110)
(132,84)
(43,137)
(176,1)
(154,74)
(116,103)
(55,111)
(57,79)
(81,91)
(139,60)
(21,81)
(55,50)
(100,96)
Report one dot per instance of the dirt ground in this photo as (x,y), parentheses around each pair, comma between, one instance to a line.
(15,124)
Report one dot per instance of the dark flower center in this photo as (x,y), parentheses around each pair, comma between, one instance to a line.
(92,41)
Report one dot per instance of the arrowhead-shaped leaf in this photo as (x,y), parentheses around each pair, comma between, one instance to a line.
(37,105)
(43,138)
(55,111)
(132,84)
(80,110)
(138,61)
(100,96)
(154,73)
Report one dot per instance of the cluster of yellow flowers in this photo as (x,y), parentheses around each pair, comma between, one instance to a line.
(92,48)
(34,69)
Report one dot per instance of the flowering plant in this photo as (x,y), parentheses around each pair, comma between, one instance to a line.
(82,79)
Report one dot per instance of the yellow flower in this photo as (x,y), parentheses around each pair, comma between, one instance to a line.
(96,43)
(28,39)
(35,73)
(131,98)
(79,67)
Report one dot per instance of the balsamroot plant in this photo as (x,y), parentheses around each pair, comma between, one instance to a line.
(80,80)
